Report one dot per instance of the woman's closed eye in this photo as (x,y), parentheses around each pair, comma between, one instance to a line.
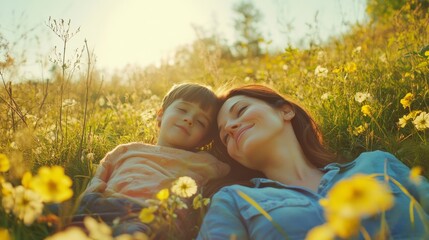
(241,110)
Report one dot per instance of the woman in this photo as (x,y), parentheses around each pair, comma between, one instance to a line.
(264,132)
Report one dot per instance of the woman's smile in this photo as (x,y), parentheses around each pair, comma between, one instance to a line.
(240,132)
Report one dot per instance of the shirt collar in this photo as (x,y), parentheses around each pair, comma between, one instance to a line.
(337,167)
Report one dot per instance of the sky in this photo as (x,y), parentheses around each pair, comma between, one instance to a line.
(143,32)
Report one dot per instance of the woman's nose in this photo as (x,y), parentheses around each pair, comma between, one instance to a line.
(231,126)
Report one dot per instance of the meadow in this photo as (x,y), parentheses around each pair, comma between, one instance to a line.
(368,89)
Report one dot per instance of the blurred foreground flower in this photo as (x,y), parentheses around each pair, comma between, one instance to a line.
(322,232)
(4,163)
(28,205)
(71,233)
(4,234)
(352,199)
(52,184)
(184,187)
(97,230)
(415,174)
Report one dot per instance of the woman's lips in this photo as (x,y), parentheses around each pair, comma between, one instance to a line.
(242,131)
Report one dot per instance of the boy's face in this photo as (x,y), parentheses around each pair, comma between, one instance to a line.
(184,125)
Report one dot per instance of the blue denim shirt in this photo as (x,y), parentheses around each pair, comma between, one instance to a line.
(297,209)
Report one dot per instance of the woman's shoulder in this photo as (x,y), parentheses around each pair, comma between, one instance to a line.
(234,190)
(380,160)
(376,155)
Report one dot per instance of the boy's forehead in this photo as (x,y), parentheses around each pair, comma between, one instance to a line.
(208,110)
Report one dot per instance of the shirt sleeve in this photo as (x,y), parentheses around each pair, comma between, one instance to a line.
(418,190)
(99,181)
(223,220)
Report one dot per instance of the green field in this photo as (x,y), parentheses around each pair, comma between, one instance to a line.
(368,89)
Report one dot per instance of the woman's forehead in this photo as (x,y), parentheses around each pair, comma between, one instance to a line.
(229,103)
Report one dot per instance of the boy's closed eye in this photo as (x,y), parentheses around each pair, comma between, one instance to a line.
(181,109)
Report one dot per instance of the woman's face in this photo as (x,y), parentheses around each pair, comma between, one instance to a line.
(247,127)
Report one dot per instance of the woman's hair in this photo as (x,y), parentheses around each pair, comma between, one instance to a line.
(306,130)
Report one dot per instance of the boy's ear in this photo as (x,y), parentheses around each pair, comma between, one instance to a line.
(159,117)
(288,112)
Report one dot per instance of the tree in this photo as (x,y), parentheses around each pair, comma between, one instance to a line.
(246,25)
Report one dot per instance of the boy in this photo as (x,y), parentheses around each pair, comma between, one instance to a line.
(134,172)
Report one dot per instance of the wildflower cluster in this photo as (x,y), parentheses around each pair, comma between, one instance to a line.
(24,204)
(96,231)
(419,119)
(366,110)
(349,201)
(163,212)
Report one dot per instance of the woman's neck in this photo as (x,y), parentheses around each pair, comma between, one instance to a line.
(288,164)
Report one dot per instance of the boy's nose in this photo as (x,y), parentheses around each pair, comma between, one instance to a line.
(188,121)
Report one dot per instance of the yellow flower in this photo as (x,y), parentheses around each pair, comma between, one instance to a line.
(360,129)
(345,226)
(366,110)
(52,184)
(421,122)
(402,122)
(413,114)
(97,230)
(415,174)
(71,233)
(350,67)
(406,101)
(4,163)
(8,194)
(163,194)
(336,70)
(28,205)
(147,214)
(322,232)
(358,196)
(134,236)
(26,179)
(184,187)
(199,201)
(4,234)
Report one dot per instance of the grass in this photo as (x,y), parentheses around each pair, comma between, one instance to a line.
(76,117)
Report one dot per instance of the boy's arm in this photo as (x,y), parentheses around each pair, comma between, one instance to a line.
(217,168)
(99,182)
